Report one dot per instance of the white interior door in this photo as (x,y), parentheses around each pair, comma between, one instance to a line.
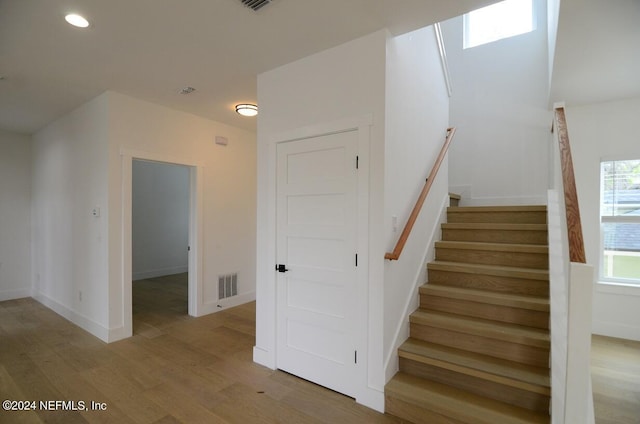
(316,243)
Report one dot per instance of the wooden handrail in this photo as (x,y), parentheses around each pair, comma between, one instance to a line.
(574,225)
(423,195)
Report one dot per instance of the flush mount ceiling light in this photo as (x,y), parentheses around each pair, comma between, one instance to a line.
(255,4)
(76,20)
(247,109)
(187,90)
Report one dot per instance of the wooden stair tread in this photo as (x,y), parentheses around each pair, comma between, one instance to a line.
(479,346)
(493,226)
(491,329)
(490,297)
(484,209)
(514,374)
(495,247)
(458,404)
(496,270)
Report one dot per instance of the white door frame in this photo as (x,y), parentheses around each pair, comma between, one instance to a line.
(362,126)
(196,179)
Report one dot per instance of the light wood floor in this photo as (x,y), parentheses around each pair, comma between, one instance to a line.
(615,371)
(175,369)
(178,369)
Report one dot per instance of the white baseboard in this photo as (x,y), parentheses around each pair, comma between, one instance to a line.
(371,398)
(616,329)
(76,318)
(153,273)
(229,302)
(402,330)
(14,294)
(264,358)
(119,333)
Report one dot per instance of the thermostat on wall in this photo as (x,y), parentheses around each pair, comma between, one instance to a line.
(223,141)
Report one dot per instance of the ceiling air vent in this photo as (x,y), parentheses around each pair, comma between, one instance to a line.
(255,4)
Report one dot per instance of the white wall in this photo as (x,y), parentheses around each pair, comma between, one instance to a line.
(499,105)
(77,266)
(417,115)
(345,82)
(15,222)
(398,82)
(225,240)
(609,131)
(160,219)
(69,244)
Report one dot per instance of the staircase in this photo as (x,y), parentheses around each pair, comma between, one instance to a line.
(478,351)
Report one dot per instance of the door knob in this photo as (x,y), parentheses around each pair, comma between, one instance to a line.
(281,268)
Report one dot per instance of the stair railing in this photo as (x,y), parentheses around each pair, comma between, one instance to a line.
(571,282)
(574,225)
(395,255)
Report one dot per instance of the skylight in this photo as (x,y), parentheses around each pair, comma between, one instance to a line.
(500,20)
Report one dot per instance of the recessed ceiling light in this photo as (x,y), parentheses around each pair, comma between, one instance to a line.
(247,109)
(76,20)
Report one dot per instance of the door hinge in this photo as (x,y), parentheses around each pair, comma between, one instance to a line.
(356,259)
(355,356)
(357,162)
(281,268)
(188,248)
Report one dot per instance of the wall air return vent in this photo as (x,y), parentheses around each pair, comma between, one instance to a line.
(227,285)
(255,4)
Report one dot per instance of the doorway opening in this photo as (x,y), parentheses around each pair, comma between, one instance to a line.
(160,220)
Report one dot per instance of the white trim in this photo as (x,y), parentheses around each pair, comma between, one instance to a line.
(470,41)
(578,395)
(153,273)
(611,287)
(619,219)
(402,330)
(82,321)
(229,302)
(372,398)
(160,157)
(618,158)
(264,358)
(195,225)
(443,56)
(14,294)
(616,329)
(267,355)
(318,130)
(610,279)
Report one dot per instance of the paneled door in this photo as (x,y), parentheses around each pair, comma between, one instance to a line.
(316,267)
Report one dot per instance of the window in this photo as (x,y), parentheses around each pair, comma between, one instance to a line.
(500,20)
(620,221)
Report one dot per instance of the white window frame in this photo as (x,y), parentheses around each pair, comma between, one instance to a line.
(468,30)
(616,219)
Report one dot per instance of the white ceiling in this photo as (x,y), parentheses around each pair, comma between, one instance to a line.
(597,51)
(150,49)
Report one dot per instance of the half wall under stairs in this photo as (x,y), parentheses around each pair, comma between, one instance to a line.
(478,351)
